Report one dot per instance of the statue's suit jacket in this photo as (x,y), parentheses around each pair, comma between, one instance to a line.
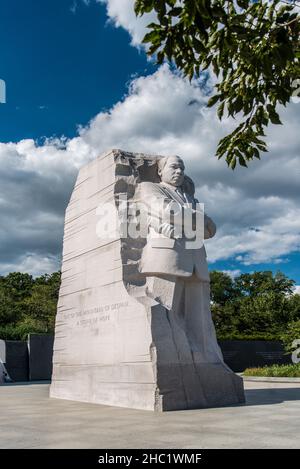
(163,255)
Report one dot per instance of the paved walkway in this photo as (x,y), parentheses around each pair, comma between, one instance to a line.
(29,419)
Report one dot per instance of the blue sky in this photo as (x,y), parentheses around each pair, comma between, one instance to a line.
(61,68)
(70,63)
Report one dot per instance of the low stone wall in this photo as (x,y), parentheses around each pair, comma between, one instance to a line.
(242,354)
(40,350)
(28,360)
(14,355)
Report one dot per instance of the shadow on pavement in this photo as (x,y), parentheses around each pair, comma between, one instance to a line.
(271,396)
(254,397)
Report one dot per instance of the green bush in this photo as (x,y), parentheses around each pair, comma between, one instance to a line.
(19,331)
(291,334)
(276,371)
(9,332)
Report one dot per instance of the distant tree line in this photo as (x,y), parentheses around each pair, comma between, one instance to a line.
(27,304)
(260,305)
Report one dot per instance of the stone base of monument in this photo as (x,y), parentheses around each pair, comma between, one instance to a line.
(182,387)
(199,386)
(113,345)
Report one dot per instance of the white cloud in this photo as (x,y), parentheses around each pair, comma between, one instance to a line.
(35,184)
(121,13)
(232,273)
(32,263)
(74,7)
(256,209)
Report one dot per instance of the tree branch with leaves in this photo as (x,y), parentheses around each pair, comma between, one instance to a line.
(252,48)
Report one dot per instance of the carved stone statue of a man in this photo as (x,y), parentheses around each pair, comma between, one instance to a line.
(176,271)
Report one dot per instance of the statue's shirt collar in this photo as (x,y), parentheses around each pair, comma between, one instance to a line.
(177,190)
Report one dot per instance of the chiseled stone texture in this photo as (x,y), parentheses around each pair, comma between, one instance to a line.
(113,344)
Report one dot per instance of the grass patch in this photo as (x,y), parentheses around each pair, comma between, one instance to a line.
(276,371)
(254,336)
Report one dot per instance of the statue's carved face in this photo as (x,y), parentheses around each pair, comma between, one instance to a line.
(173,171)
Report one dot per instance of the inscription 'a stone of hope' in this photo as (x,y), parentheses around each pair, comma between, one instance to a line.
(98,318)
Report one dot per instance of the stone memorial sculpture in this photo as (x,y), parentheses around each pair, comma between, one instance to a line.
(4,376)
(134,326)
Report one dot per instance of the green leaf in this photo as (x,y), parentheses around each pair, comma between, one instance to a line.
(203,7)
(238,104)
(143,6)
(267,66)
(256,153)
(175,11)
(153,26)
(212,101)
(274,117)
(232,163)
(199,46)
(242,161)
(220,110)
(261,147)
(153,37)
(243,3)
(160,57)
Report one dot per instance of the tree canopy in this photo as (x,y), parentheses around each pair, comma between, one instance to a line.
(27,305)
(259,305)
(253,49)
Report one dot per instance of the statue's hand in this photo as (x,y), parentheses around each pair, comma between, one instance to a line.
(167,230)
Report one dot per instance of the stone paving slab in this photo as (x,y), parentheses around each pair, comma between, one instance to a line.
(30,419)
